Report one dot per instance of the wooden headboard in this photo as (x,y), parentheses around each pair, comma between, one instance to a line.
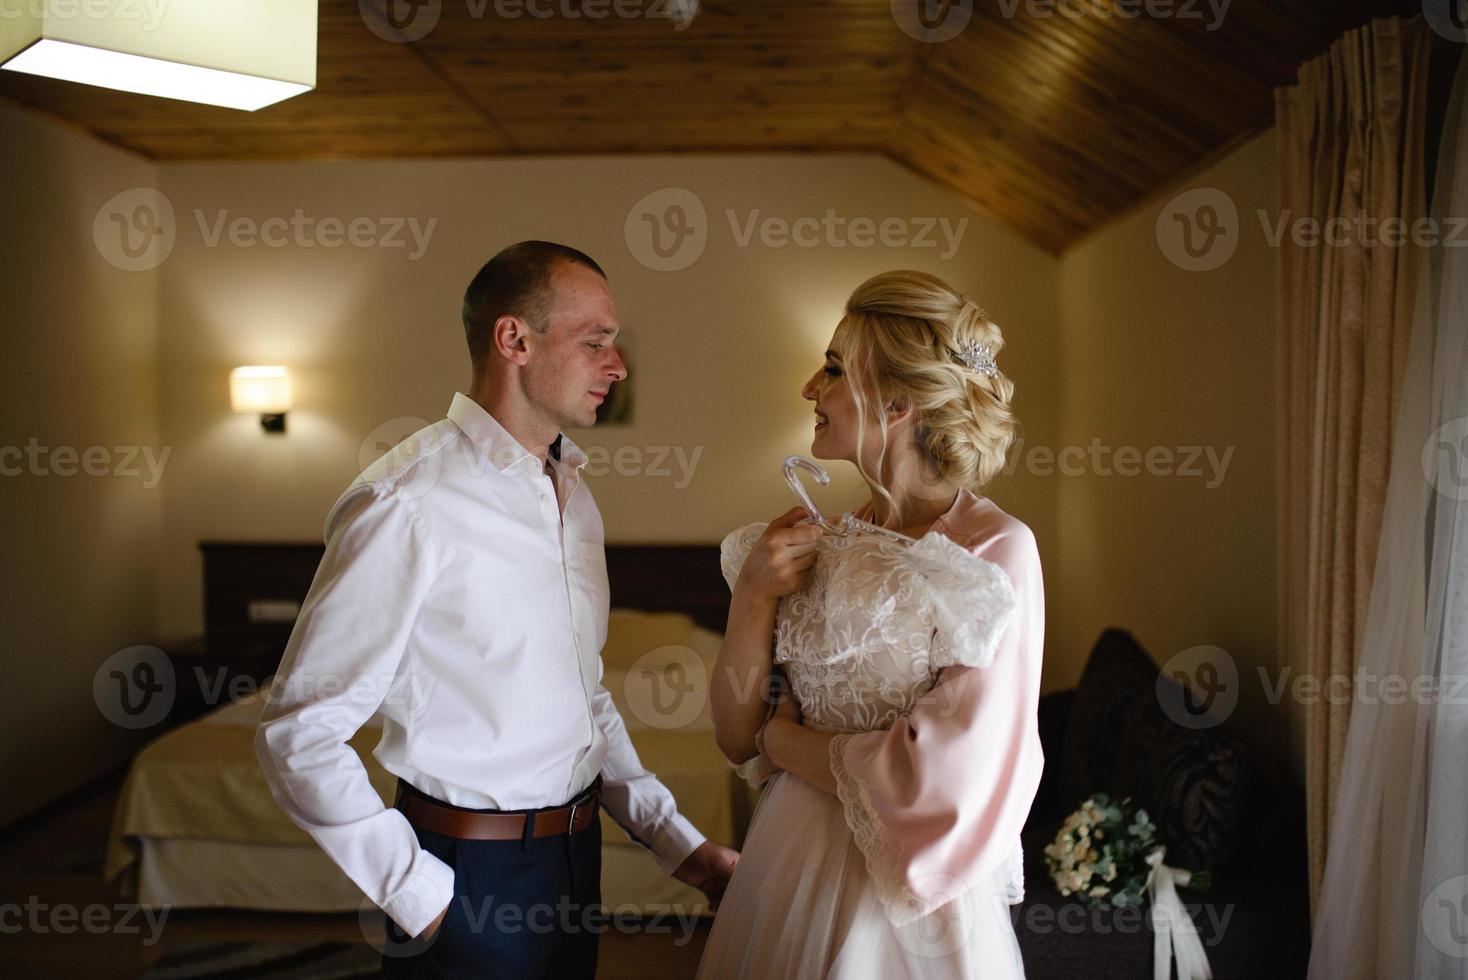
(670,578)
(251,589)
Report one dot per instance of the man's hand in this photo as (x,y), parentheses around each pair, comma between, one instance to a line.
(708,869)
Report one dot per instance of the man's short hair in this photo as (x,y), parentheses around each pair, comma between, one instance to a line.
(516,282)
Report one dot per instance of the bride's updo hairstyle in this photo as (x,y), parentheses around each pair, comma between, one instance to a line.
(901,341)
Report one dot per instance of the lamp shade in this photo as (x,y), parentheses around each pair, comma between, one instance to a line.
(260,390)
(239,55)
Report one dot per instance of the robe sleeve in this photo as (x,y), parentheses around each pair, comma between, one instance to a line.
(936,802)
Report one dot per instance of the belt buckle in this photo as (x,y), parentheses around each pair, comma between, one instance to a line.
(571,824)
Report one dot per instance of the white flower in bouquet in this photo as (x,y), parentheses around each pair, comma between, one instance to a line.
(1107,854)
(1101,852)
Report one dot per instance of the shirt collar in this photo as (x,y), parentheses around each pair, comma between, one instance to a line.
(503,449)
(565,455)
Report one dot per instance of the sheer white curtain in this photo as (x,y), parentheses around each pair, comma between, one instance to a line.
(1394,902)
(1442,942)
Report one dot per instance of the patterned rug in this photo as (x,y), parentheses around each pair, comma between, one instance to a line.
(267,961)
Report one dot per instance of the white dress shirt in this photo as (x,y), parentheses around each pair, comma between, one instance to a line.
(465,604)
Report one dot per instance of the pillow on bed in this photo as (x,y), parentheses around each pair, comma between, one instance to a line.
(657,668)
(631,633)
(669,696)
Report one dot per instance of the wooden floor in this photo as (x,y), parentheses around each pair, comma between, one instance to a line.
(48,869)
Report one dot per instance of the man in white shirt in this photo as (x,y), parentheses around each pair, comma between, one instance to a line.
(463,598)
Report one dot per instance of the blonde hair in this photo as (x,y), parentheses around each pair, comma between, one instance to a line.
(899,341)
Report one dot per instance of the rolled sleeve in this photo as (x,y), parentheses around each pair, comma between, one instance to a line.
(344,658)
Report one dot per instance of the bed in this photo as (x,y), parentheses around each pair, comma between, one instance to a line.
(195,825)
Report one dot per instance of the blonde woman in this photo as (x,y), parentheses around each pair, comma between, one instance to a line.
(898,776)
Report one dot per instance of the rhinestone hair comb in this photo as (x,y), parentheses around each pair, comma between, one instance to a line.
(980,358)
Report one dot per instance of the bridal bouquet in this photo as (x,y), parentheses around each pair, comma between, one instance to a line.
(1103,853)
(1107,854)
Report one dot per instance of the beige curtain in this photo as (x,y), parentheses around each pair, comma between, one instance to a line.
(1350,137)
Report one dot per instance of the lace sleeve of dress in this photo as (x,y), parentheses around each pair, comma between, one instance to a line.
(757,771)
(880,847)
(736,547)
(973,601)
(883,850)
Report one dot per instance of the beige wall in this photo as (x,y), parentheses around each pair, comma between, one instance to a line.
(1156,356)
(721,348)
(1111,342)
(79,345)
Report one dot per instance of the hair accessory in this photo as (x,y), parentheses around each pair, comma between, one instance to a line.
(980,358)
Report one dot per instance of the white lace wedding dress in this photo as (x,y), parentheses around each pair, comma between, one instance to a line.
(856,886)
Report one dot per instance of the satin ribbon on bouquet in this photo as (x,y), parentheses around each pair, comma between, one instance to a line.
(1174,933)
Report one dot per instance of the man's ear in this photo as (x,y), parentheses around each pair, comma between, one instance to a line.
(508,338)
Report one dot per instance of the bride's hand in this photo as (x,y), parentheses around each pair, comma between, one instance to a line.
(787,712)
(781,559)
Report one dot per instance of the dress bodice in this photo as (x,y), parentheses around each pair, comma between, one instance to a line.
(875,621)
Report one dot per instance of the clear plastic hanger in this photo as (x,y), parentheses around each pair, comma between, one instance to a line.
(849,524)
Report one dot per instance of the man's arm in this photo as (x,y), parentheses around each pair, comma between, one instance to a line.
(635,798)
(647,811)
(340,664)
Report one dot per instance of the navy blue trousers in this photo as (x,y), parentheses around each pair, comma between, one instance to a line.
(522,909)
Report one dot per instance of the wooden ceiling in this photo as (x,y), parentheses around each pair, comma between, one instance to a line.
(1048,124)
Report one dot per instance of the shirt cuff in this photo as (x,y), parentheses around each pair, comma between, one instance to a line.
(672,842)
(427,891)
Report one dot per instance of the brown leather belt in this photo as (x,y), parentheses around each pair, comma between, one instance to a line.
(428,814)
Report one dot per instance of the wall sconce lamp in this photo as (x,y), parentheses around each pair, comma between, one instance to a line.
(263,390)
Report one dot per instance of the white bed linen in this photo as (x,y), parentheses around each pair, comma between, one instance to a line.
(188,872)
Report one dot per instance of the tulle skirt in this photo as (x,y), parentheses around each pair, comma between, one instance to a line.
(801,906)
